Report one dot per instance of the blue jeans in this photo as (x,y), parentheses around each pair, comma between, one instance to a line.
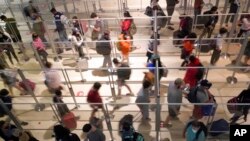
(63,37)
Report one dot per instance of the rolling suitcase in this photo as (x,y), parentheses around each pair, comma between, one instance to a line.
(69,120)
(219,127)
(205,46)
(31,84)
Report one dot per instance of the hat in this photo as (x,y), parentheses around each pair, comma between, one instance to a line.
(178,81)
(205,83)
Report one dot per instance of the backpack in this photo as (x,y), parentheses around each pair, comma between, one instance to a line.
(104,47)
(132,29)
(127,132)
(124,73)
(200,73)
(191,97)
(203,128)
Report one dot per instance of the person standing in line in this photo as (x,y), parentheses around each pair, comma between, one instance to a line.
(93,133)
(77,23)
(174,96)
(198,5)
(234,5)
(31,10)
(170,10)
(7,48)
(143,97)
(97,26)
(7,99)
(125,46)
(245,24)
(39,47)
(218,46)
(12,30)
(78,42)
(39,29)
(52,78)
(122,75)
(62,108)
(211,22)
(60,22)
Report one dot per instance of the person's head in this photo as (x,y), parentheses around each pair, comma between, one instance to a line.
(34,36)
(116,61)
(179,83)
(87,128)
(106,35)
(214,9)
(93,15)
(4,92)
(192,58)
(60,131)
(205,84)
(126,125)
(146,84)
(75,32)
(58,93)
(48,65)
(74,19)
(192,37)
(223,31)
(195,125)
(53,10)
(3,17)
(97,86)
(30,3)
(126,14)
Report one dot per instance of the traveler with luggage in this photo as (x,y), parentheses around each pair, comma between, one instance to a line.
(78,42)
(122,76)
(103,47)
(218,46)
(211,21)
(61,21)
(195,131)
(93,133)
(143,97)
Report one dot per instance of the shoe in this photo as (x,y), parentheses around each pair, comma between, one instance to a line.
(170,27)
(24,123)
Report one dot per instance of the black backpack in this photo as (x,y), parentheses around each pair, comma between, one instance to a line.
(124,73)
(191,97)
(104,47)
(200,73)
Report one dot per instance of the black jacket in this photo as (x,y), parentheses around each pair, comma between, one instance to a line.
(212,19)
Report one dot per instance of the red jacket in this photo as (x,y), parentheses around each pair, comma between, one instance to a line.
(94,97)
(190,76)
(126,24)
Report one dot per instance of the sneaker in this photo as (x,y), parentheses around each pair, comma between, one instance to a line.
(170,27)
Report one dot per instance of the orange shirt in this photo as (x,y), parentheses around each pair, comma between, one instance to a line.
(188,46)
(125,45)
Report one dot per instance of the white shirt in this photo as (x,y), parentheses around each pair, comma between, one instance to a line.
(219,41)
(77,42)
(53,78)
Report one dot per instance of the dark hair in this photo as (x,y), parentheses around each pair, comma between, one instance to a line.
(214,8)
(115,61)
(3,17)
(146,84)
(58,93)
(34,36)
(192,58)
(4,92)
(30,1)
(48,65)
(86,128)
(74,17)
(60,131)
(52,10)
(126,125)
(126,14)
(97,85)
(93,15)
(223,30)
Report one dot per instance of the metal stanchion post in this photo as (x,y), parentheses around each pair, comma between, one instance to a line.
(38,107)
(232,79)
(157,82)
(11,116)
(185,6)
(65,74)
(225,54)
(108,122)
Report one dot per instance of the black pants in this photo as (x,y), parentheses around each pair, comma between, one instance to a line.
(215,56)
(207,31)
(79,49)
(10,51)
(231,17)
(170,9)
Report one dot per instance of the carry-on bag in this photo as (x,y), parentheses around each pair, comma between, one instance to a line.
(232,105)
(69,120)
(219,127)
(31,84)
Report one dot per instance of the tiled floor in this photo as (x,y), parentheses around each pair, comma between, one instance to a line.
(40,123)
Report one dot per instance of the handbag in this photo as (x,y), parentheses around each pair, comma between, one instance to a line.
(232,105)
(149,11)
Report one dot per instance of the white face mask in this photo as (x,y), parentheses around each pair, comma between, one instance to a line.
(194,130)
